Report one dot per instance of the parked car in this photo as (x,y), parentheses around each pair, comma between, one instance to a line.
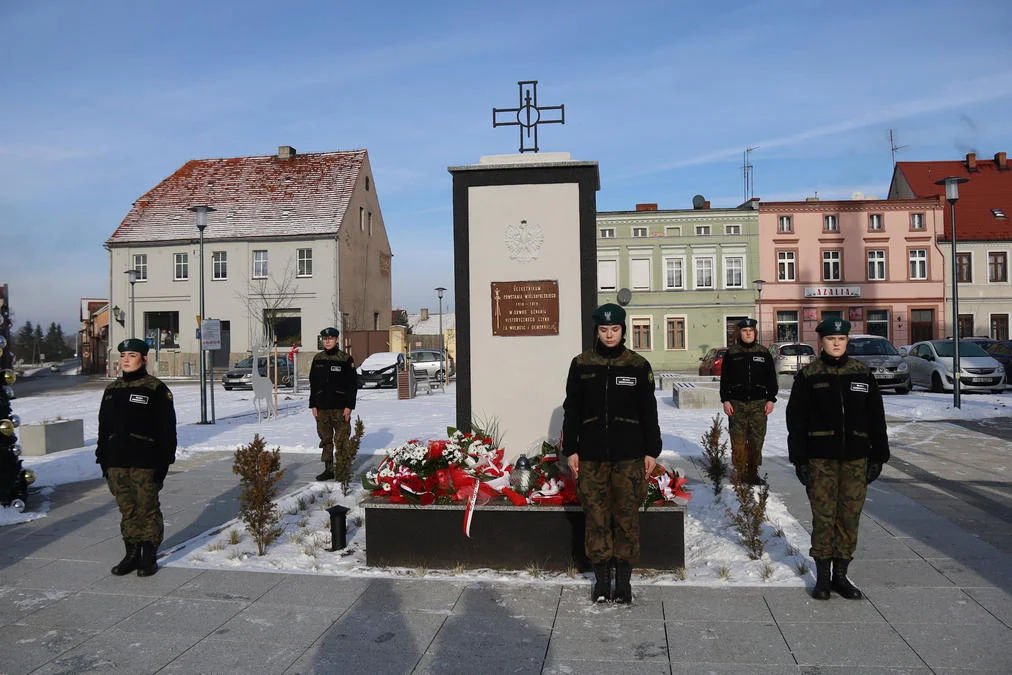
(790,357)
(431,361)
(982,342)
(712,361)
(889,368)
(930,365)
(380,369)
(240,376)
(1001,351)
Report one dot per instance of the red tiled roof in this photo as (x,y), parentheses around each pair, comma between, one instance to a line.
(988,188)
(306,195)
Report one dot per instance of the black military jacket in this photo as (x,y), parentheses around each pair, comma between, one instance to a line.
(136,424)
(333,383)
(747,374)
(610,412)
(836,412)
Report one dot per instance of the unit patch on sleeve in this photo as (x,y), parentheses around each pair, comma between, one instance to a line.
(625,381)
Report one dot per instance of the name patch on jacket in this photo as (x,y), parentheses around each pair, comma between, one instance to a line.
(859,386)
(335,369)
(760,359)
(625,381)
(139,398)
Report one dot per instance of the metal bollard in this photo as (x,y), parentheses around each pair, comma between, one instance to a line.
(338,527)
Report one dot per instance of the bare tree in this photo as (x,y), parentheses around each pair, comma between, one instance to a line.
(266,301)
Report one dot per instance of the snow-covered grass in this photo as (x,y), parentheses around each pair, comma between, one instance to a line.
(714,554)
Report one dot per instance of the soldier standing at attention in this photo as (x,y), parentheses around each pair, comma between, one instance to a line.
(748,390)
(836,440)
(611,439)
(333,384)
(136,444)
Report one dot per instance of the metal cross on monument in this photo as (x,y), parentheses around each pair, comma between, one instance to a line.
(528,115)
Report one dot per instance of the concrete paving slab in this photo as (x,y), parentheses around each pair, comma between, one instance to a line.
(693,603)
(647,605)
(487,644)
(977,647)
(94,611)
(468,663)
(289,625)
(117,651)
(751,642)
(25,648)
(994,600)
(499,600)
(165,581)
(221,585)
(586,667)
(733,669)
(13,568)
(183,616)
(68,575)
(17,603)
(603,639)
(928,605)
(213,657)
(790,605)
(918,573)
(308,589)
(848,644)
(977,573)
(395,595)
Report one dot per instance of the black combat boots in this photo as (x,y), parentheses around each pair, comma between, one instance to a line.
(130,561)
(147,565)
(623,587)
(602,582)
(328,472)
(823,572)
(841,584)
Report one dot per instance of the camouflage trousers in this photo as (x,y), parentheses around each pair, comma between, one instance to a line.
(611,494)
(747,429)
(836,490)
(136,493)
(334,433)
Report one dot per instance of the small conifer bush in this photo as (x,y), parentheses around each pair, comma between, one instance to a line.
(751,514)
(344,457)
(259,472)
(715,454)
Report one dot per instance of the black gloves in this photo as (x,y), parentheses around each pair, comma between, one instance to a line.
(802,472)
(873,470)
(105,470)
(160,475)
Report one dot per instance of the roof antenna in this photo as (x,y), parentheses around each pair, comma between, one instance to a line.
(893,147)
(746,169)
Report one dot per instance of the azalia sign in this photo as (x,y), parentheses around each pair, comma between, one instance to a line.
(832,291)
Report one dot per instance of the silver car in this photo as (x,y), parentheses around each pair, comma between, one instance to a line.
(790,357)
(931,367)
(431,361)
(886,364)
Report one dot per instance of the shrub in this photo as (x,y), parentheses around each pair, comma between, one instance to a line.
(259,472)
(750,515)
(715,454)
(344,457)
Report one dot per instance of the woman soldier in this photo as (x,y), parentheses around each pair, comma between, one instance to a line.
(611,439)
(836,439)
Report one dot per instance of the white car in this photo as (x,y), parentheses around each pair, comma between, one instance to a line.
(930,364)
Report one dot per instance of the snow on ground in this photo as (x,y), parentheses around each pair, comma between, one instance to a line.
(714,554)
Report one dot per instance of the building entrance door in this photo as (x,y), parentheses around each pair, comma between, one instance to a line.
(922,325)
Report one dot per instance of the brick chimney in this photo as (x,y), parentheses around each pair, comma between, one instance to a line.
(423,314)
(286,152)
(1001,161)
(971,161)
(646,207)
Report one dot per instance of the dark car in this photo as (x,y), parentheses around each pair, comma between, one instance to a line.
(1001,351)
(380,369)
(889,369)
(712,362)
(240,376)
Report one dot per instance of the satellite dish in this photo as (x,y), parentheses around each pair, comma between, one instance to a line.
(698,202)
(624,297)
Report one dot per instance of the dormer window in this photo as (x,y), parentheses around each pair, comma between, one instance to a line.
(998,213)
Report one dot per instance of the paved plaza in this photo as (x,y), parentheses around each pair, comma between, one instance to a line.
(934,563)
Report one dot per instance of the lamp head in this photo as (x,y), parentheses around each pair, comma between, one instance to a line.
(132,276)
(951,184)
(759,283)
(439,291)
(201,212)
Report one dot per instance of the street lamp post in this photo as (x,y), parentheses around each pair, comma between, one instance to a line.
(951,184)
(132,278)
(442,349)
(758,285)
(201,214)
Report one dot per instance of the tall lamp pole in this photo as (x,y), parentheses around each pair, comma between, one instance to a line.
(201,213)
(952,196)
(442,349)
(132,278)
(758,285)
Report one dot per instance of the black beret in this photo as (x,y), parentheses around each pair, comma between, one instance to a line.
(609,314)
(833,326)
(133,345)
(747,323)
(330,332)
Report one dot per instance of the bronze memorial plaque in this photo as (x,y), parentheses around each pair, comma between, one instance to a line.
(525,308)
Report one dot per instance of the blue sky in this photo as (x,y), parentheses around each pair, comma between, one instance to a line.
(102,100)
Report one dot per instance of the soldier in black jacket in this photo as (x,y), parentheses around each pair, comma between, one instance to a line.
(836,439)
(136,445)
(333,385)
(748,390)
(611,439)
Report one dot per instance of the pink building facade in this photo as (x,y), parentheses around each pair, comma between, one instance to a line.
(876,263)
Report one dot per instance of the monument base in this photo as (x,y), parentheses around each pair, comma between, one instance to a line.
(506,536)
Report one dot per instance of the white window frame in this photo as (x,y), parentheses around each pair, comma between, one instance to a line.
(180,266)
(685,332)
(788,260)
(703,230)
(916,221)
(637,320)
(141,266)
(260,269)
(606,233)
(635,265)
(785,224)
(876,264)
(607,262)
(876,222)
(304,262)
(732,229)
(219,265)
(728,269)
(697,268)
(680,260)
(834,258)
(639,232)
(830,223)
(917,264)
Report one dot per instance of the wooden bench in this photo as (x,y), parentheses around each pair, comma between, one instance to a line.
(426,382)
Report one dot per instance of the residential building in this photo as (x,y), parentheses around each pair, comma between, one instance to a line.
(93,337)
(684,277)
(424,331)
(873,262)
(296,243)
(983,237)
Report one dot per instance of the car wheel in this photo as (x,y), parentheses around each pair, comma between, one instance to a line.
(438,375)
(903,390)
(227,388)
(936,383)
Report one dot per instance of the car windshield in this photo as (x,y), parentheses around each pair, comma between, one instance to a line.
(245,363)
(379,360)
(944,348)
(871,347)
(797,350)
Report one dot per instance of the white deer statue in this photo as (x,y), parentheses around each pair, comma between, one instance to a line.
(263,391)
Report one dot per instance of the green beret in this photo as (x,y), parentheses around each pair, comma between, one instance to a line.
(133,345)
(329,332)
(747,323)
(609,314)
(833,327)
